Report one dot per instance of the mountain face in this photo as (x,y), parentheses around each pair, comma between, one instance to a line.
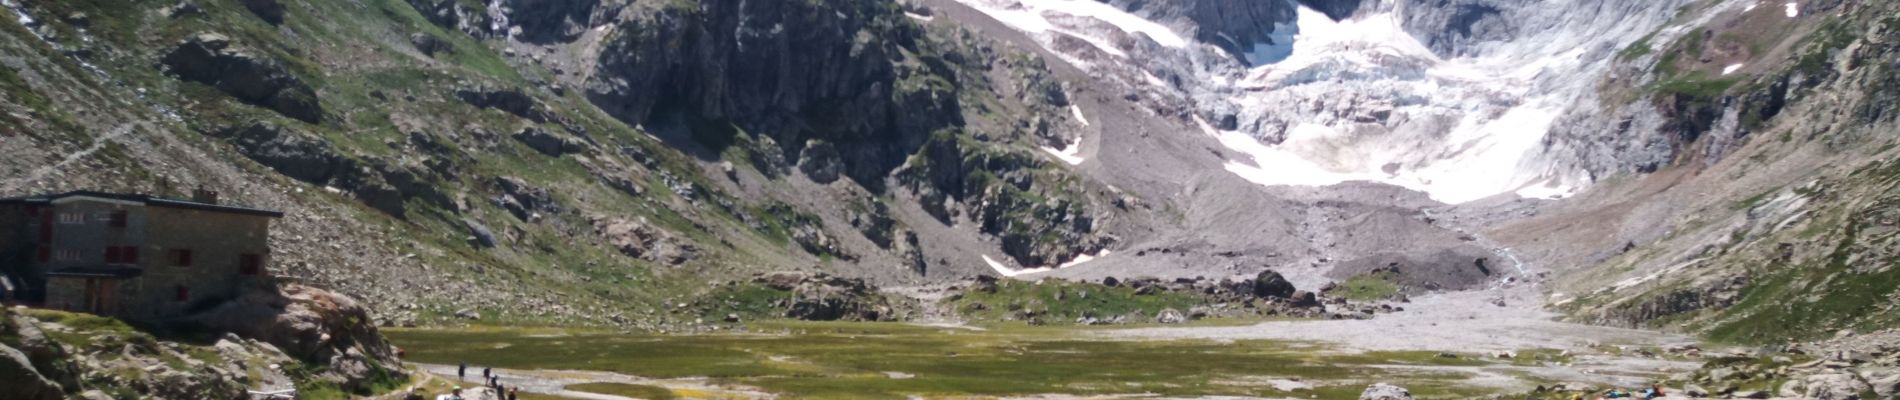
(1672,164)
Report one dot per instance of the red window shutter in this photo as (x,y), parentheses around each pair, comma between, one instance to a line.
(46,226)
(129,255)
(184,293)
(46,253)
(112,254)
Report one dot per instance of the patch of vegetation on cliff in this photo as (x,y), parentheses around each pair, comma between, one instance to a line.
(1696,85)
(1815,300)
(1040,211)
(1060,302)
(1375,286)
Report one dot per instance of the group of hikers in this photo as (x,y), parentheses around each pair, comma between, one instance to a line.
(489,378)
(1653,392)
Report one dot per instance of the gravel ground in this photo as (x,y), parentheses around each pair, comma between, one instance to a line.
(1468,322)
(555,382)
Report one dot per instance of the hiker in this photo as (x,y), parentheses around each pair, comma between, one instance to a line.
(514,393)
(1654,392)
(484,372)
(461,372)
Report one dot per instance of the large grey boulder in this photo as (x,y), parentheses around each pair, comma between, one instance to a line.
(550,144)
(210,58)
(269,10)
(288,151)
(313,325)
(1270,284)
(1383,391)
(1887,387)
(1836,386)
(820,162)
(1170,316)
(21,381)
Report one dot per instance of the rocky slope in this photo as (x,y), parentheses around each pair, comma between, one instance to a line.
(576,162)
(316,342)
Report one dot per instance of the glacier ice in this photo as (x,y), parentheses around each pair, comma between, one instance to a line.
(1324,101)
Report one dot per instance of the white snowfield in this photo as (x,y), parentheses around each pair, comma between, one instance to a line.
(1008,272)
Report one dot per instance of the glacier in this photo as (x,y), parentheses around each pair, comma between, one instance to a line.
(1321,101)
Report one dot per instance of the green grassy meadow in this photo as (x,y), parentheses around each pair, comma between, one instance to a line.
(872,360)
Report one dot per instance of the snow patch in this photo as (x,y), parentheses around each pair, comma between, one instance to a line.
(1006,271)
(1546,190)
(1794,9)
(920,17)
(1077,110)
(1044,18)
(1083,258)
(1072,153)
(1750,7)
(1731,69)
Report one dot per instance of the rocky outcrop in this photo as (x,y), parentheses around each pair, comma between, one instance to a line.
(430,44)
(507,100)
(210,58)
(641,240)
(527,203)
(822,297)
(820,162)
(1828,386)
(379,184)
(452,14)
(270,11)
(1039,223)
(854,73)
(22,381)
(289,152)
(548,21)
(547,143)
(315,326)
